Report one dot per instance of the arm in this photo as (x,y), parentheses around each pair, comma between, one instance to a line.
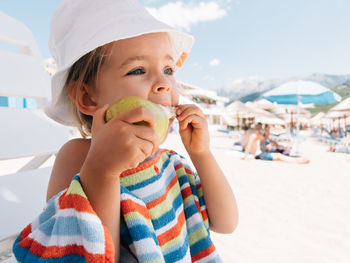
(249,147)
(220,201)
(219,198)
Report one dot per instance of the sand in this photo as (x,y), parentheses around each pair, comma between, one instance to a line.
(287,212)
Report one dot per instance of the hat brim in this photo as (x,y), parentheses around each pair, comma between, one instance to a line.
(59,109)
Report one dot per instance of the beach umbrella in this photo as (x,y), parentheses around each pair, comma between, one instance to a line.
(342,106)
(239,109)
(316,120)
(301,92)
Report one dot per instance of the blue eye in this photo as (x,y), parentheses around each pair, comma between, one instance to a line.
(138,71)
(169,71)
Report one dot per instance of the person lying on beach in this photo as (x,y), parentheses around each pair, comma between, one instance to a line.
(271,145)
(114,194)
(255,149)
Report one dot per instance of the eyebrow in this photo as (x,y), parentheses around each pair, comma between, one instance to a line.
(140,58)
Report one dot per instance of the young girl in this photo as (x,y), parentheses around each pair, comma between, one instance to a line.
(117,196)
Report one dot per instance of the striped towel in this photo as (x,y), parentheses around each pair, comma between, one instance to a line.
(164,219)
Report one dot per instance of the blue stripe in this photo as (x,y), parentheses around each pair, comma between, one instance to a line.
(178,245)
(200,245)
(150,257)
(50,209)
(190,209)
(161,192)
(195,227)
(25,256)
(141,232)
(149,180)
(168,216)
(69,226)
(178,254)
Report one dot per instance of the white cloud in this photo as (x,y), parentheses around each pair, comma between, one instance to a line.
(181,15)
(214,62)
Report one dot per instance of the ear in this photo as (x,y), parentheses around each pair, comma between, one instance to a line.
(83,98)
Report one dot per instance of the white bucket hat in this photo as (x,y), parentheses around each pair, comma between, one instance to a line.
(80,26)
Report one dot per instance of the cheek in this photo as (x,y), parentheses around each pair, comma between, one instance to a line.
(174,97)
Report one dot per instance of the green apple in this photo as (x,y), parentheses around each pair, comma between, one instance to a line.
(132,102)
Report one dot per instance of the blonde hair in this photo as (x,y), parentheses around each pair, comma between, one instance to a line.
(85,71)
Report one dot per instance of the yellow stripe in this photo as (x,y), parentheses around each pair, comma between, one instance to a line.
(166,204)
(75,188)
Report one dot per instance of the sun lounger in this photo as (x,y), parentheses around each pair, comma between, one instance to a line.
(23,133)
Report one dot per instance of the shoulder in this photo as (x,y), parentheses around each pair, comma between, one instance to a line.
(68,163)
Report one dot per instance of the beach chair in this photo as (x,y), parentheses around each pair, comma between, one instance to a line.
(24,132)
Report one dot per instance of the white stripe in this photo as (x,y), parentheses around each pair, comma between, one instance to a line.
(71,212)
(193,220)
(125,196)
(58,240)
(171,223)
(146,246)
(209,258)
(156,186)
(187,257)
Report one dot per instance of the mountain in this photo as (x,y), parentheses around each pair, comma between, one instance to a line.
(252,88)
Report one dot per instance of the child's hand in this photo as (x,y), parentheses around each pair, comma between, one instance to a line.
(193,129)
(119,144)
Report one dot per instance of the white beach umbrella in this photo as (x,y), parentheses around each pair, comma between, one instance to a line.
(342,106)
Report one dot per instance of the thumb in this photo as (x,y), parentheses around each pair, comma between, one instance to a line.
(98,119)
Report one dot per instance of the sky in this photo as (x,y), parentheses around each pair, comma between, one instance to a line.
(236,39)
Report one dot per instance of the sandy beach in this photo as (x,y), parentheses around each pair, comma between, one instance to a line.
(287,212)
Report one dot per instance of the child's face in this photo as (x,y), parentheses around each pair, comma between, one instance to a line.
(141,66)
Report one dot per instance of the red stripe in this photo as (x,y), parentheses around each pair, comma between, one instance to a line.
(128,206)
(203,253)
(56,252)
(204,214)
(75,201)
(188,171)
(186,192)
(26,231)
(160,199)
(173,232)
(143,166)
(179,166)
(109,246)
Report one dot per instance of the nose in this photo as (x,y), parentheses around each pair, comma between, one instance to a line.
(161,85)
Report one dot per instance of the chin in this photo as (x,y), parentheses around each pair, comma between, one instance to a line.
(167,132)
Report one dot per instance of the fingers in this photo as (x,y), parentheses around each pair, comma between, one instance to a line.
(147,134)
(99,118)
(190,114)
(129,118)
(183,111)
(137,115)
(196,121)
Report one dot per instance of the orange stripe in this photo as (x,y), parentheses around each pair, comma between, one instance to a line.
(143,166)
(26,231)
(173,232)
(179,166)
(186,192)
(109,246)
(130,206)
(160,199)
(56,251)
(204,253)
(78,202)
(182,59)
(204,214)
(188,171)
